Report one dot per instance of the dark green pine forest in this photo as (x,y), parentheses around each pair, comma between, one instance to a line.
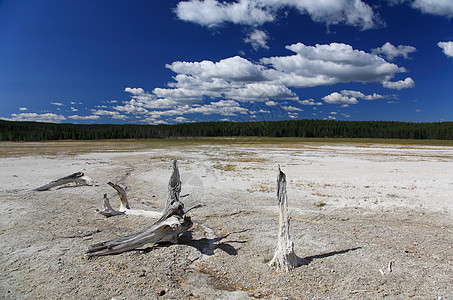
(35,131)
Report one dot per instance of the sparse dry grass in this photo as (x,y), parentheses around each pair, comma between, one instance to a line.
(266,186)
(77,147)
(322,195)
(320,204)
(225,167)
(253,159)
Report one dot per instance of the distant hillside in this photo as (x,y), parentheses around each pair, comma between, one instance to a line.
(34,131)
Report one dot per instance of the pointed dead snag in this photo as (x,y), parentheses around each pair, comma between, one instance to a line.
(284,258)
(78,178)
(172,223)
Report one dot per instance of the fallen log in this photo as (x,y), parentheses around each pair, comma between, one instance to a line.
(172,223)
(284,258)
(78,178)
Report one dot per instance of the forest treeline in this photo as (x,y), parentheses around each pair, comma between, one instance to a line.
(35,131)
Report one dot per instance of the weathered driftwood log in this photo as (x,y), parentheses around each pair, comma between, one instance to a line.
(124,209)
(78,178)
(168,228)
(284,258)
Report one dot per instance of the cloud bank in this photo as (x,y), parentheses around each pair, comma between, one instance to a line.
(218,87)
(242,80)
(35,117)
(212,13)
(229,87)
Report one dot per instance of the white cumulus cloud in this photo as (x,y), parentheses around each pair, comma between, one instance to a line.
(234,68)
(347,97)
(400,84)
(261,92)
(132,107)
(328,64)
(271,103)
(258,39)
(142,100)
(447,48)
(135,91)
(234,78)
(337,98)
(391,51)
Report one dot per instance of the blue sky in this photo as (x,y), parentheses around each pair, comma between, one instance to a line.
(166,62)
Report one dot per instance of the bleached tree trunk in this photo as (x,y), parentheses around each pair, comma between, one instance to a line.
(78,178)
(284,258)
(174,188)
(172,223)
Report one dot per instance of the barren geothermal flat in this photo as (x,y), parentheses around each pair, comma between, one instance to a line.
(372,219)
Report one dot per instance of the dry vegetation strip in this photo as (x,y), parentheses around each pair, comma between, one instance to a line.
(78,147)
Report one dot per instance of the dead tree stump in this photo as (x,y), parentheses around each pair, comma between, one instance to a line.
(172,223)
(284,258)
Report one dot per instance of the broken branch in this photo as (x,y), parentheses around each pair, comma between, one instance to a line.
(122,194)
(124,209)
(78,178)
(108,211)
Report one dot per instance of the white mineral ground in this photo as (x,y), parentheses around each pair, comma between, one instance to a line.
(371,220)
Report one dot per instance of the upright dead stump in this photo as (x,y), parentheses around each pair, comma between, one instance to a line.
(284,258)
